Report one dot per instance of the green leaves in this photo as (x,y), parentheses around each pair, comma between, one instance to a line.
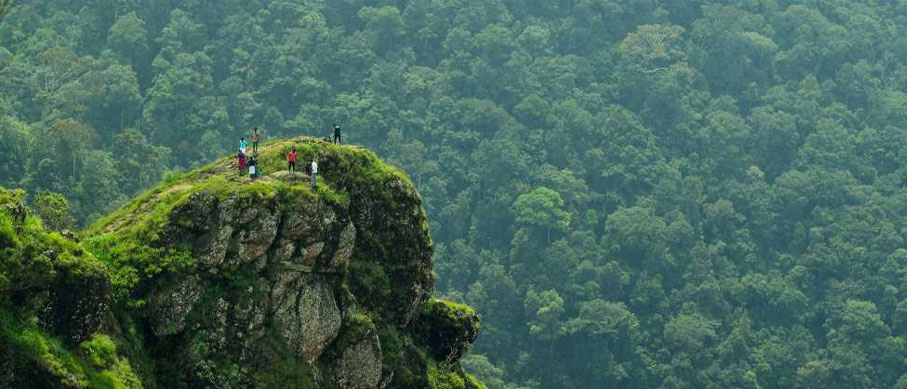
(546,309)
(653,47)
(689,164)
(128,37)
(53,209)
(5,7)
(542,207)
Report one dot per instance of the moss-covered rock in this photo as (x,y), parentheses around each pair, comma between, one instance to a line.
(234,283)
(447,329)
(54,308)
(211,280)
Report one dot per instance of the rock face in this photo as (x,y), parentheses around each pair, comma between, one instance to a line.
(278,267)
(265,266)
(360,365)
(54,296)
(287,287)
(77,305)
(213,281)
(65,288)
(447,329)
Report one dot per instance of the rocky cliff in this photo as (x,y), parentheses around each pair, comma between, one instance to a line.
(213,280)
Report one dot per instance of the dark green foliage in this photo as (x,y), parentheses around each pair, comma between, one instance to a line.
(5,6)
(438,379)
(409,363)
(54,300)
(632,194)
(53,209)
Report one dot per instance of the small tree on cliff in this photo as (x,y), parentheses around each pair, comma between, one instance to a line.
(53,209)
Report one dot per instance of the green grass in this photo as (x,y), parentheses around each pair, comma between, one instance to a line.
(31,257)
(95,363)
(31,260)
(30,343)
(441,379)
(127,240)
(474,383)
(110,370)
(342,169)
(453,310)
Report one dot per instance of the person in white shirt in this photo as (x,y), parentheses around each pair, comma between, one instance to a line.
(314,174)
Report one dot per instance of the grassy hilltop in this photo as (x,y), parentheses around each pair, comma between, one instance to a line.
(213,280)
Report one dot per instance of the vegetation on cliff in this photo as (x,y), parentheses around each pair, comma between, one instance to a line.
(53,306)
(219,281)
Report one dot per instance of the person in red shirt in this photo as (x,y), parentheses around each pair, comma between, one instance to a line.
(291,160)
(242,162)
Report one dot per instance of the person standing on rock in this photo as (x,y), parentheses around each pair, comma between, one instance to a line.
(291,160)
(241,157)
(314,174)
(243,145)
(253,168)
(336,133)
(255,139)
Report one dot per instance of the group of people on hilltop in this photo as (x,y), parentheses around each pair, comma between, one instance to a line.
(250,162)
(246,161)
(291,166)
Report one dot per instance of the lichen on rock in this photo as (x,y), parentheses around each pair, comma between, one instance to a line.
(360,365)
(308,317)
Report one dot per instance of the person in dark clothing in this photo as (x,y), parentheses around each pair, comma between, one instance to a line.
(253,168)
(255,138)
(336,133)
(291,160)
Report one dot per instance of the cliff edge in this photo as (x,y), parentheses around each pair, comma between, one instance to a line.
(214,280)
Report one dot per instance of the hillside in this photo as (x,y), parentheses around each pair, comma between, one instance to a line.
(215,281)
(634,194)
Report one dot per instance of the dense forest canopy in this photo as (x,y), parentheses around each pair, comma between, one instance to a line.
(642,193)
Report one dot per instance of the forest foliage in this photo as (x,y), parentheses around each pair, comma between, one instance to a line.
(642,193)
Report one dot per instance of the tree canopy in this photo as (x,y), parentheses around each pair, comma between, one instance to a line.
(669,194)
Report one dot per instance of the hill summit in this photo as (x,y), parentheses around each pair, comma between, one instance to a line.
(215,280)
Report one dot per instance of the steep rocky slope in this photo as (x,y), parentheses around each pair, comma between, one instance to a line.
(55,309)
(217,281)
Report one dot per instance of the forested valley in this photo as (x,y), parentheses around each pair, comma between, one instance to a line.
(632,194)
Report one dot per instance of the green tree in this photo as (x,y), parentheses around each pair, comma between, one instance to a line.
(53,209)
(546,309)
(387,25)
(542,208)
(139,160)
(97,190)
(5,6)
(636,235)
(129,38)
(729,174)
